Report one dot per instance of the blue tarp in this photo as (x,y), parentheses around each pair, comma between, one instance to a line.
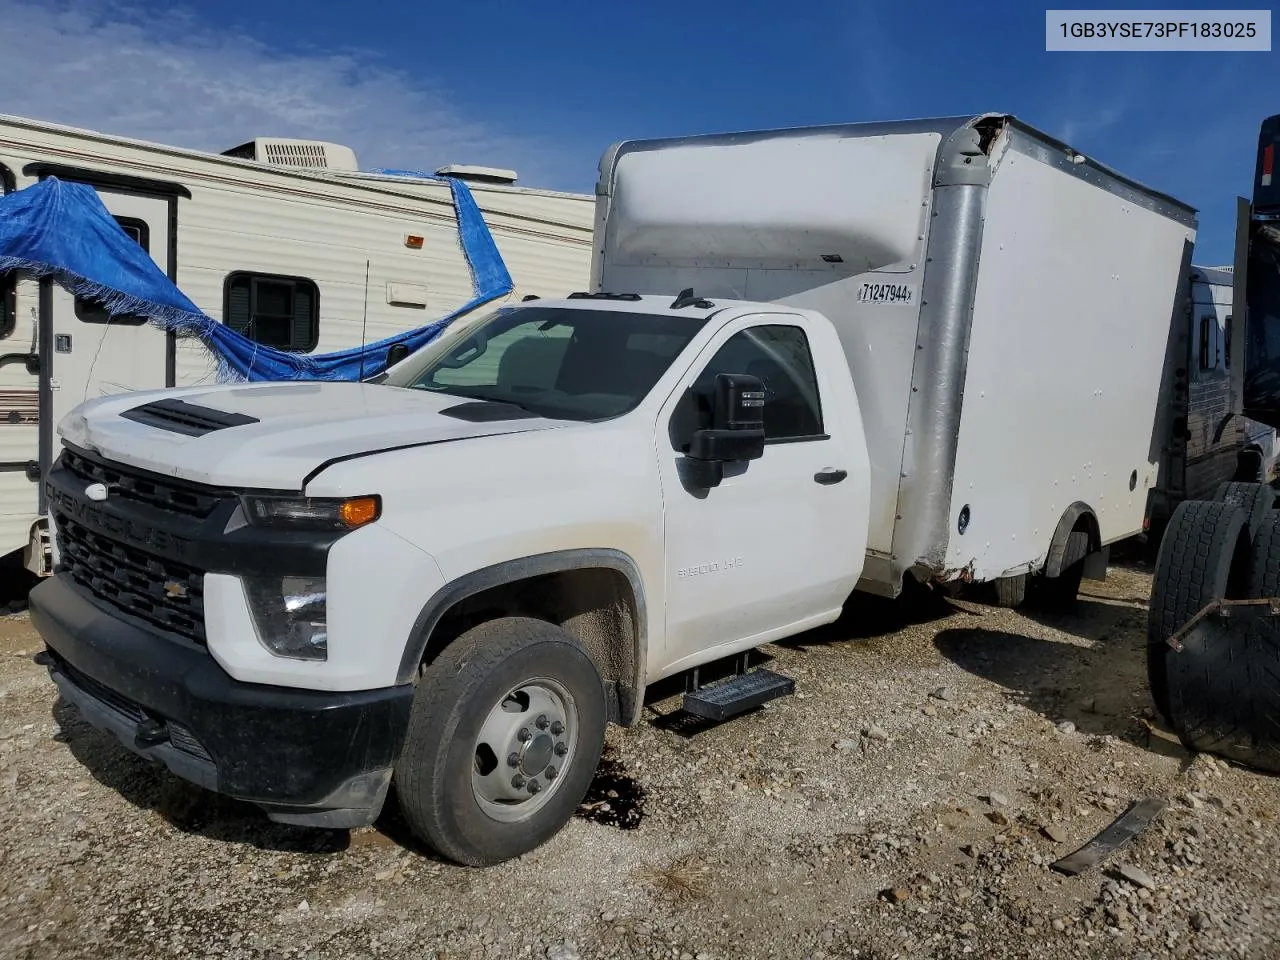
(62,230)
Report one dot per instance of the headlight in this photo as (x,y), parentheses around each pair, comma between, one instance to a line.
(289,615)
(313,513)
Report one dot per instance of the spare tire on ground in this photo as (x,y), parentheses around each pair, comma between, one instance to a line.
(1224,684)
(1204,556)
(1255,499)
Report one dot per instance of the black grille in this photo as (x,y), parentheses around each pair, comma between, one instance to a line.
(138,485)
(159,591)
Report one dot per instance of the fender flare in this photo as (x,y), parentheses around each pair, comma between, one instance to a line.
(1064,551)
(630,693)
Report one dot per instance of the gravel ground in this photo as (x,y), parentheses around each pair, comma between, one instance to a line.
(906,802)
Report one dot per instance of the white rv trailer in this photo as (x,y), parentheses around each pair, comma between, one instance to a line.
(293,220)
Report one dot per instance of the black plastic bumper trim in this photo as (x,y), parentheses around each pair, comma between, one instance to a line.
(306,756)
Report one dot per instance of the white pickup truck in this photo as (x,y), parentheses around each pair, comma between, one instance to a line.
(456,577)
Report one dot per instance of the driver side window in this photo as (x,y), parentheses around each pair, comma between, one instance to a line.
(778,355)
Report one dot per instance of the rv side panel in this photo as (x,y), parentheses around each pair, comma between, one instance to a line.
(19,391)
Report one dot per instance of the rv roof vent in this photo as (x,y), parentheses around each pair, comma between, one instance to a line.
(466,171)
(312,154)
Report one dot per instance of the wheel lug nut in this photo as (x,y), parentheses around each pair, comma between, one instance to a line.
(541,723)
(551,773)
(557,728)
(561,749)
(524,735)
(534,786)
(513,760)
(517,781)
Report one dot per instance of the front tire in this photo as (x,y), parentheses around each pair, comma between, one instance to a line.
(504,737)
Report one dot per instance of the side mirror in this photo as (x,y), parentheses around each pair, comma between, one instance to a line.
(397,353)
(736,433)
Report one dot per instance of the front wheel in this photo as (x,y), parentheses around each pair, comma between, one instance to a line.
(504,737)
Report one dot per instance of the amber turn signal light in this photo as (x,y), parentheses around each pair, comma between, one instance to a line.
(358,511)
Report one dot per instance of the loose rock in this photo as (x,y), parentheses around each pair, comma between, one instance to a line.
(1055,833)
(1137,876)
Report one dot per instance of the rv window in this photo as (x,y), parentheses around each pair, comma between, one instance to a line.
(280,312)
(1226,343)
(1205,330)
(780,357)
(90,311)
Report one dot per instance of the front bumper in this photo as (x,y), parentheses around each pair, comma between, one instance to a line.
(307,757)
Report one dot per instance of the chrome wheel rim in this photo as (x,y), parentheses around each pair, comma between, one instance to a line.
(527,742)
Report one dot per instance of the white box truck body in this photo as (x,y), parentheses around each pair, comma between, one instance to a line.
(1004,303)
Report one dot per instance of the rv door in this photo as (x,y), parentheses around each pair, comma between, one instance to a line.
(94,353)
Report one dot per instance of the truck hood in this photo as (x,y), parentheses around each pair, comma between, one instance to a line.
(273,435)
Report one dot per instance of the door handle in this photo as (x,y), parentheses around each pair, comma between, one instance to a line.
(830,475)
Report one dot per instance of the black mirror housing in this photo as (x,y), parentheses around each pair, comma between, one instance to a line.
(736,433)
(396,353)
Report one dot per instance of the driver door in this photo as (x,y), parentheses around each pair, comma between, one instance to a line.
(774,548)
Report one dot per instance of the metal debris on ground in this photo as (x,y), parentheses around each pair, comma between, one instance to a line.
(1118,833)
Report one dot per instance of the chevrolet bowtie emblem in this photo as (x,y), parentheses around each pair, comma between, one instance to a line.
(174,590)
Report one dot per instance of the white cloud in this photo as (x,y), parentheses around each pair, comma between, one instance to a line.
(171,78)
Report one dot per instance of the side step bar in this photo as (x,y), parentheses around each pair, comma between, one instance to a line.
(737,694)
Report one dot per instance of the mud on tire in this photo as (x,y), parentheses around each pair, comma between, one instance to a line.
(1204,556)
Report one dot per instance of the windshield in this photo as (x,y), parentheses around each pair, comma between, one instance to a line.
(554,362)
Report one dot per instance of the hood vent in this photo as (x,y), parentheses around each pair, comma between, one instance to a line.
(487,411)
(178,416)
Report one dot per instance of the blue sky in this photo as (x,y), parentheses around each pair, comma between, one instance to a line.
(545,87)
